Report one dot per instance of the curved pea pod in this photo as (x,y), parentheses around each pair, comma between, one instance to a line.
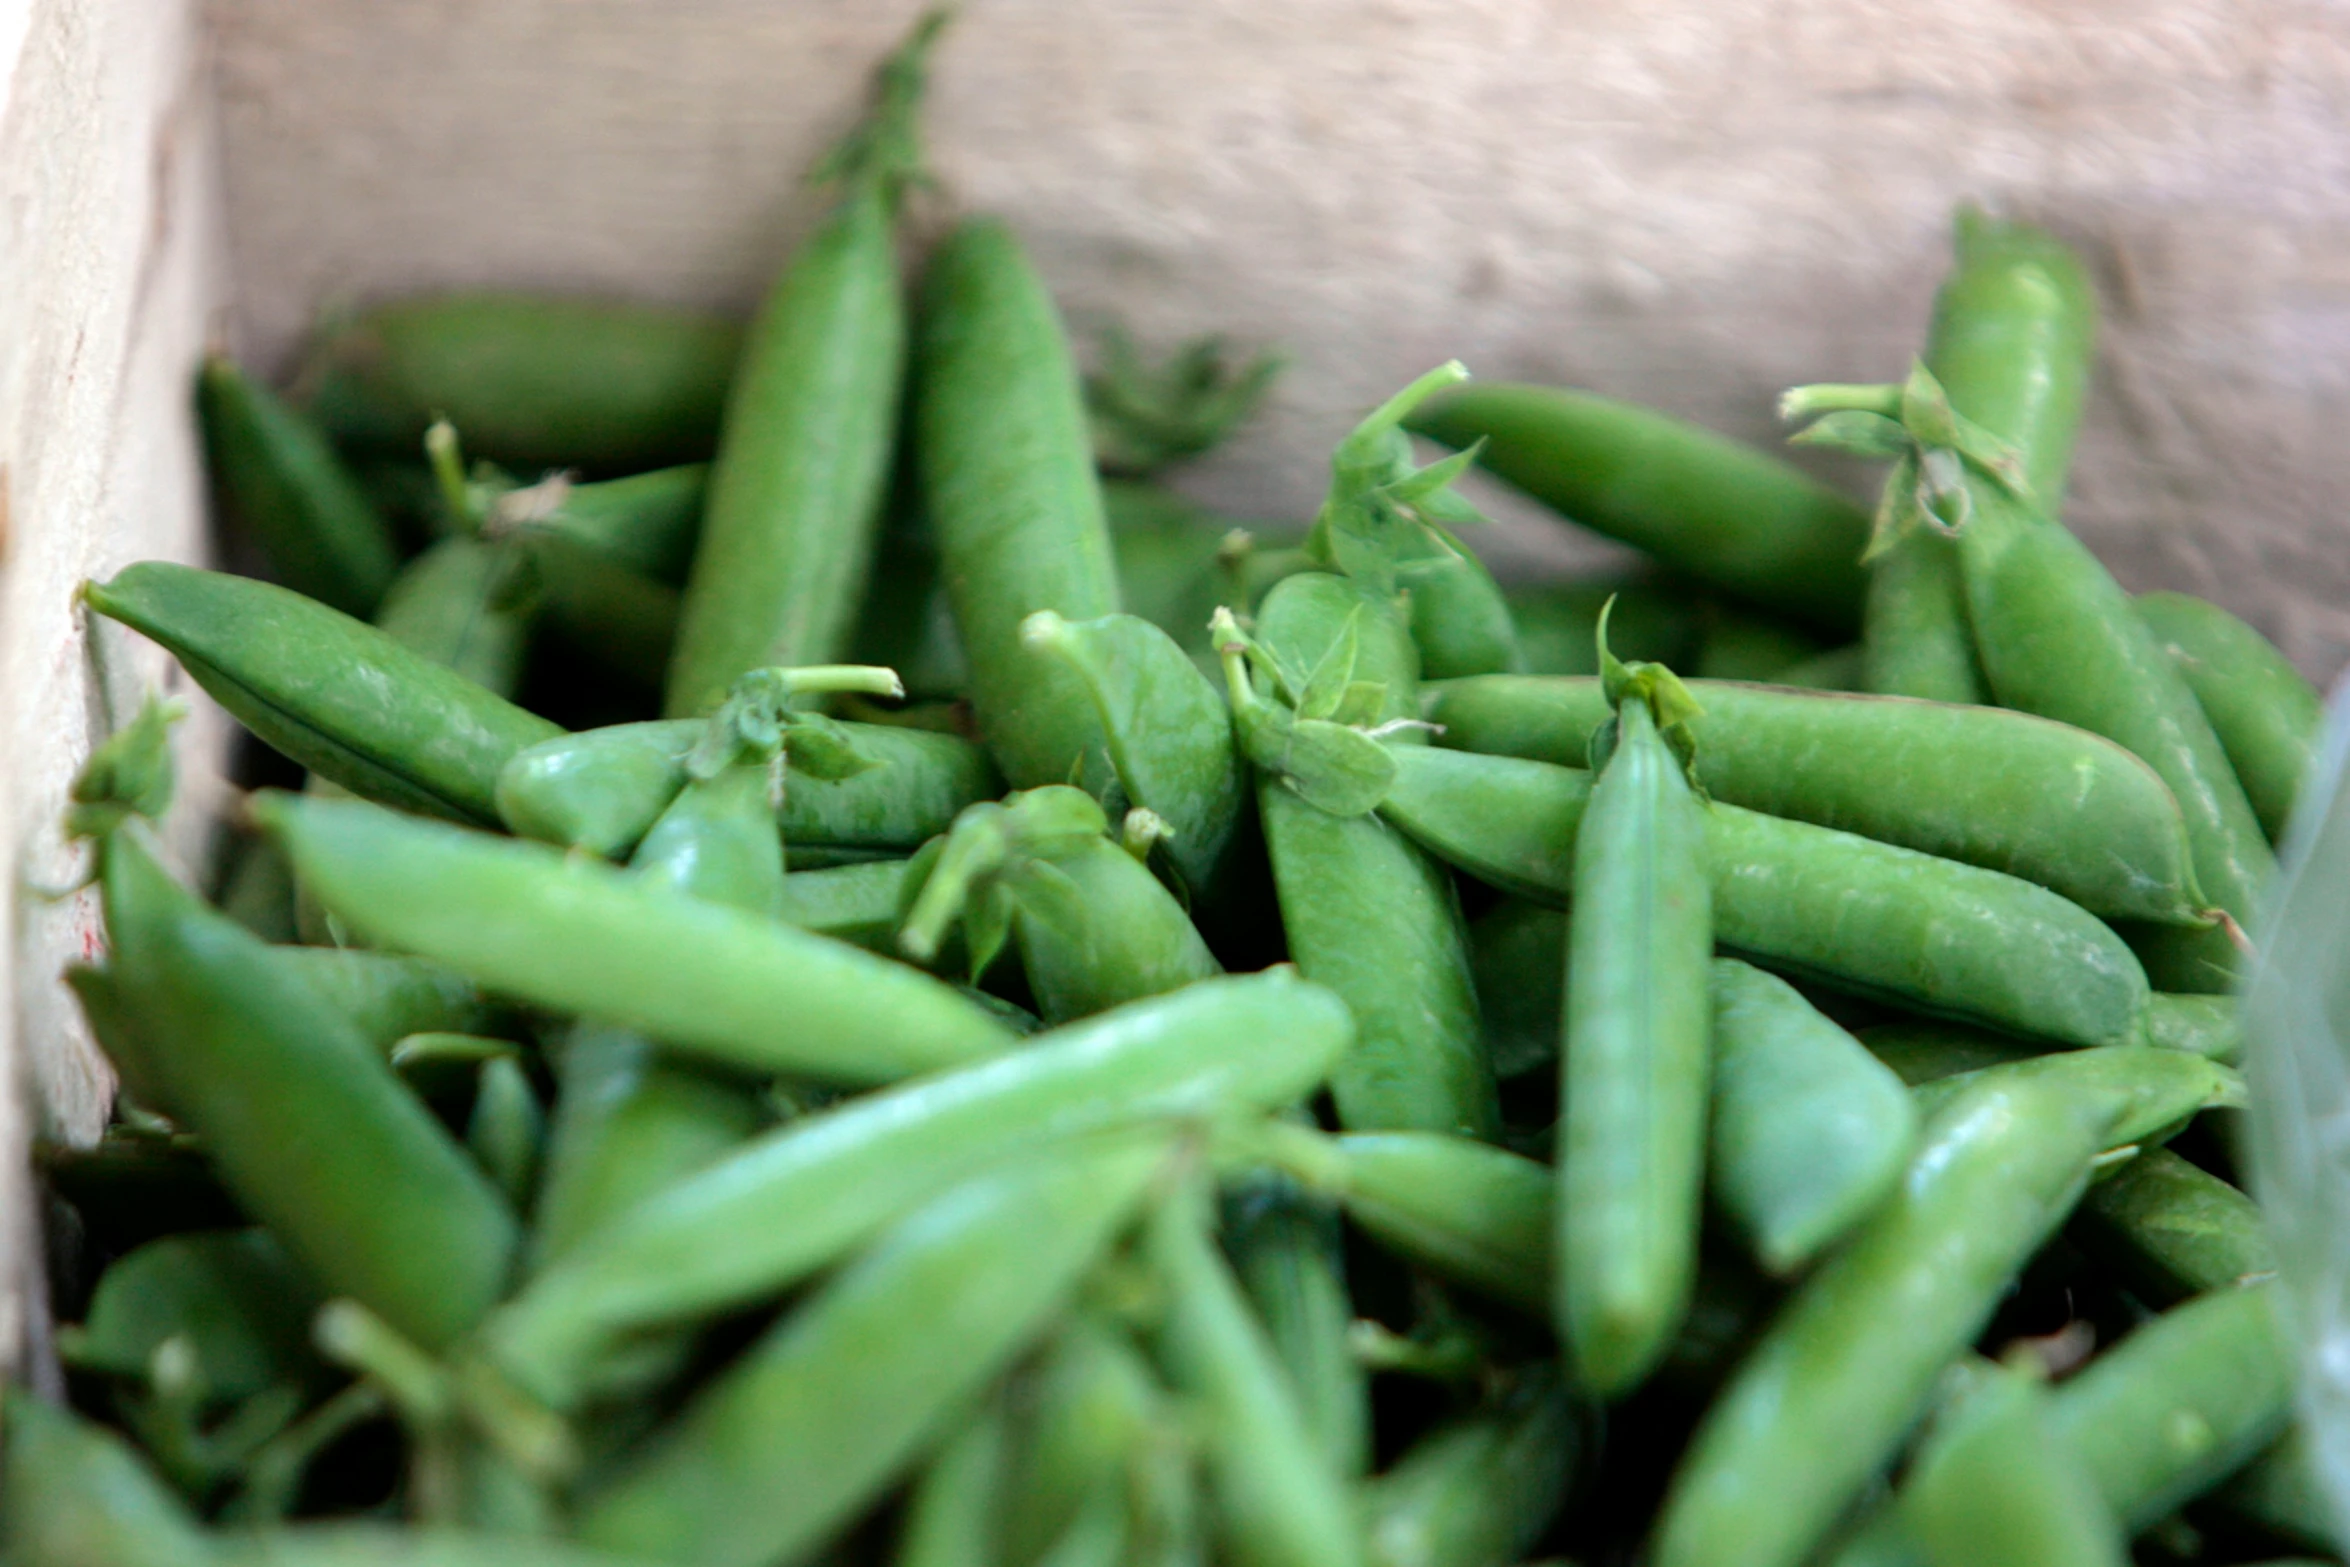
(240,1302)
(1821,1402)
(579,936)
(713,1242)
(1481,1489)
(1809,1131)
(1286,1250)
(762,1465)
(1862,916)
(2044,801)
(2153,1092)
(602,789)
(1994,1488)
(78,1494)
(1280,1499)
(340,697)
(1722,512)
(1008,481)
(2172,1229)
(647,522)
(2265,714)
(534,380)
(286,486)
(387,997)
(373,1200)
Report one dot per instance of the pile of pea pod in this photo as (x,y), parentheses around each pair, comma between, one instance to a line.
(816,970)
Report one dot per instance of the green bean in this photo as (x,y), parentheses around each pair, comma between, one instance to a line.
(1809,1132)
(952,1510)
(285,485)
(340,697)
(1722,512)
(2265,714)
(761,1466)
(2039,800)
(1008,480)
(804,452)
(714,1241)
(533,380)
(1820,1403)
(646,522)
(1994,1488)
(1285,1248)
(1636,1053)
(577,935)
(77,1494)
(1480,1490)
(2172,1230)
(1862,916)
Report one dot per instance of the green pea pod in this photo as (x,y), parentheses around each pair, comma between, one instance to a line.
(952,1509)
(1931,934)
(2155,1091)
(1259,1042)
(1636,1054)
(235,1295)
(1557,623)
(1286,1250)
(448,605)
(853,903)
(646,522)
(374,1200)
(619,621)
(387,997)
(2282,1495)
(534,380)
(1916,640)
(1838,669)
(1740,645)
(1809,1131)
(2208,1026)
(762,1466)
(1821,1402)
(1733,517)
(1178,563)
(381,1545)
(1008,481)
(2265,714)
(1461,622)
(285,485)
(342,698)
(2040,800)
(1480,1490)
(77,1494)
(1517,953)
(1089,1403)
(1924,1050)
(1475,1215)
(717,842)
(804,452)
(1995,1488)
(602,789)
(577,935)
(2170,1229)
(1281,1501)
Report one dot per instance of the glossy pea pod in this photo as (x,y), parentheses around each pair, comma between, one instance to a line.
(1993,1487)
(714,1241)
(1732,517)
(1636,1050)
(576,935)
(803,459)
(1008,483)
(1931,934)
(1480,1489)
(858,904)
(340,697)
(762,1466)
(2265,714)
(2044,801)
(285,485)
(386,996)
(536,381)
(2152,1093)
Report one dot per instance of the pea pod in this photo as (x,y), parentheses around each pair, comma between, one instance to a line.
(577,935)
(1480,1490)
(534,380)
(2265,714)
(387,997)
(619,622)
(1287,1252)
(241,1304)
(951,1511)
(450,605)
(1737,644)
(2040,800)
(378,1545)
(853,903)
(1636,1051)
(647,522)
(1926,1050)
(76,1494)
(1517,953)
(1994,1488)
(1008,481)
(2208,1026)
(1733,517)
(762,1466)
(804,451)
(287,487)
(2171,1229)
(1089,1403)
(2154,1092)
(1557,623)
(712,1241)
(342,698)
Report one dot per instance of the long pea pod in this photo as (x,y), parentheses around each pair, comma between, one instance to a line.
(1481,1489)
(2265,714)
(285,484)
(2049,803)
(1008,482)
(1994,1488)
(2153,1093)
(2171,1229)
(711,1242)
(1862,916)
(342,698)
(761,1466)
(577,935)
(1636,1051)
(804,451)
(1729,515)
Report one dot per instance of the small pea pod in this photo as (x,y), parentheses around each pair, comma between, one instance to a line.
(761,1466)
(1480,1490)
(340,697)
(537,381)
(951,1510)
(1008,482)
(1636,1052)
(580,936)
(1286,1250)
(77,1494)
(1809,1132)
(1735,518)
(853,903)
(1993,1487)
(2006,791)
(2171,1229)
(2265,713)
